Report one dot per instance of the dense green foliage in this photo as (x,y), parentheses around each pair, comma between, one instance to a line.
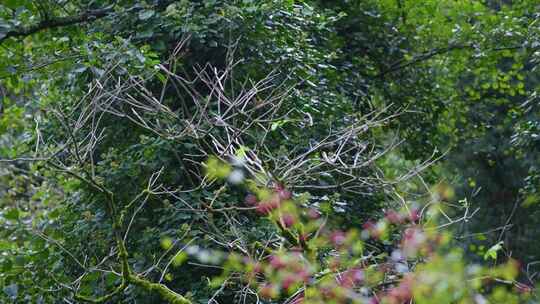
(201,151)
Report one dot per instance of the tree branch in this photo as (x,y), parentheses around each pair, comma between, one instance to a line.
(422,57)
(401,64)
(88,16)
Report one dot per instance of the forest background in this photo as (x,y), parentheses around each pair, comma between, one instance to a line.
(200,151)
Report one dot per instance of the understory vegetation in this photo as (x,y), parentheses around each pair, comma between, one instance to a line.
(269,151)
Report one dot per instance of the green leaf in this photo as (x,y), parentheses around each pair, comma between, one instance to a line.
(241,152)
(278,124)
(13,4)
(531,200)
(5,245)
(12,214)
(492,252)
(179,258)
(166,243)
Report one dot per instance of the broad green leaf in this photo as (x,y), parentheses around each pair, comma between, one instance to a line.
(491,253)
